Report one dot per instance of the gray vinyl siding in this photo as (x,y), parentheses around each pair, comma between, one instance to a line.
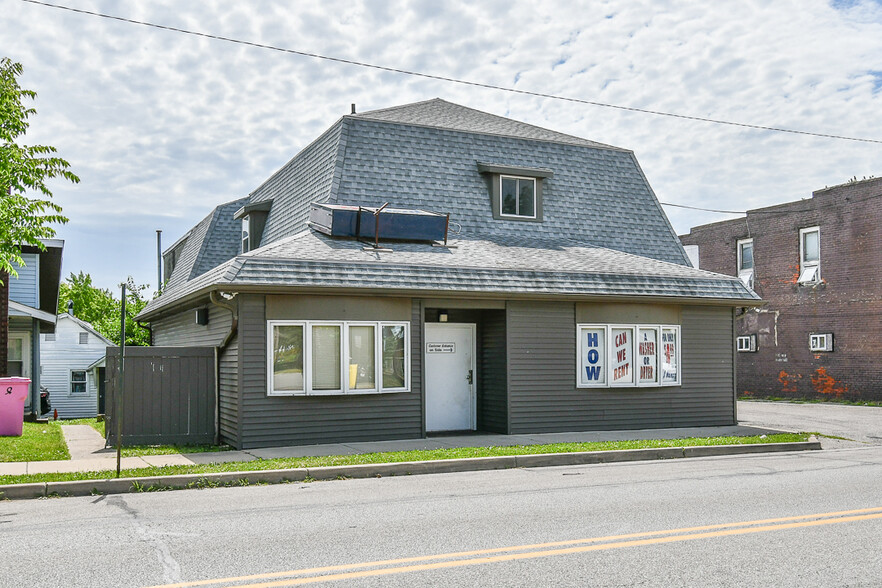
(542,376)
(493,399)
(228,388)
(181,330)
(300,420)
(708,391)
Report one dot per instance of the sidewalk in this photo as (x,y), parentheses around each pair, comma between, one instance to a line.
(88,452)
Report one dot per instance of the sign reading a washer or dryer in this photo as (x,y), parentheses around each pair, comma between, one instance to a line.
(440,347)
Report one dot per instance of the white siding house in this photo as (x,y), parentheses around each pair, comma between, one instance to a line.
(65,361)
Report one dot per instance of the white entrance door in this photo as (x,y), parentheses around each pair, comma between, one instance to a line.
(450,377)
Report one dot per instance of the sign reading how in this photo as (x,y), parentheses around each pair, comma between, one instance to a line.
(440,347)
(593,356)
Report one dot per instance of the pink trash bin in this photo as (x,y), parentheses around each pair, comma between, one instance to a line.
(13,393)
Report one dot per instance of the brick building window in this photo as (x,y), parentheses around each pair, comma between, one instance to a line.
(746,343)
(821,342)
(745,261)
(809,255)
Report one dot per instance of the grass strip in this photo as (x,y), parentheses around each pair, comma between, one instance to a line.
(38,442)
(403,456)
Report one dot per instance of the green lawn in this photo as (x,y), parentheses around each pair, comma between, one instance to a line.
(404,456)
(38,442)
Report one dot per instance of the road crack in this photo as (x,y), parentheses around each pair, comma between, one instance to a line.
(171,569)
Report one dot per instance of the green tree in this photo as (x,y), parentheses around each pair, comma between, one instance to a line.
(101,308)
(24,170)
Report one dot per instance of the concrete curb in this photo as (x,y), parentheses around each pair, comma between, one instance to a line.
(472,464)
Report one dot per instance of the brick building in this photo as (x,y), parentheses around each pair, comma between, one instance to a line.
(817,265)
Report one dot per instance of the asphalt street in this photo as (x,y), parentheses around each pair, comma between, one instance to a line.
(804,519)
(859,425)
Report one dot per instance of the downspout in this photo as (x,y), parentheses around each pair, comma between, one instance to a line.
(218,349)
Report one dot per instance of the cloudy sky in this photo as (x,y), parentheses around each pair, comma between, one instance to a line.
(161,126)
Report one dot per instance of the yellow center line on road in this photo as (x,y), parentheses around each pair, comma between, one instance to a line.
(536,550)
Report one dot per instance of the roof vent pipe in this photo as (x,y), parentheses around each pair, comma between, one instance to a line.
(353,108)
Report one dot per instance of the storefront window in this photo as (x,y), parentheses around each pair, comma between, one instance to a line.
(362,358)
(287,363)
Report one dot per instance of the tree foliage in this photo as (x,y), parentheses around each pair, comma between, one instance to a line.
(101,308)
(24,170)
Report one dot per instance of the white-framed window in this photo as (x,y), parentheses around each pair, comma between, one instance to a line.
(745,261)
(84,338)
(246,232)
(821,342)
(809,255)
(627,355)
(517,196)
(746,343)
(15,356)
(337,357)
(77,381)
(670,359)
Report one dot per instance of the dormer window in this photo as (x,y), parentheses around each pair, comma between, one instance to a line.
(246,229)
(518,197)
(253,217)
(515,191)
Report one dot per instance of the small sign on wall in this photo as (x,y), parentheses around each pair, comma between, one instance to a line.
(440,347)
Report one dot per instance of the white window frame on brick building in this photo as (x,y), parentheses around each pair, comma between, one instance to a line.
(746,343)
(745,261)
(809,261)
(821,342)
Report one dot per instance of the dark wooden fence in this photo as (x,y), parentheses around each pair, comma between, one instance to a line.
(168,395)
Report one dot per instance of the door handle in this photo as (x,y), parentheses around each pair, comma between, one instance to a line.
(469,377)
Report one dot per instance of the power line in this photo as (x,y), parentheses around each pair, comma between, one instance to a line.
(454,80)
(763,211)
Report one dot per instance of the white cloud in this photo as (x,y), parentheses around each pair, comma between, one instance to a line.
(162,126)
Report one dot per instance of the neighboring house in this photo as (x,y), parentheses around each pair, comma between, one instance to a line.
(560,301)
(33,302)
(816,264)
(66,363)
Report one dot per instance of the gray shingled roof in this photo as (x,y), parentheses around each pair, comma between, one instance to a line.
(597,209)
(211,242)
(480,265)
(440,114)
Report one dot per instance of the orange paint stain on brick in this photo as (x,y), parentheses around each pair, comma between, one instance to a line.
(826,384)
(788,381)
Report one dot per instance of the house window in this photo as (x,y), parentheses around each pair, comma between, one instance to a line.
(307,358)
(246,230)
(286,363)
(745,261)
(77,382)
(821,342)
(84,338)
(49,337)
(809,255)
(627,355)
(746,343)
(518,197)
(394,362)
(15,356)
